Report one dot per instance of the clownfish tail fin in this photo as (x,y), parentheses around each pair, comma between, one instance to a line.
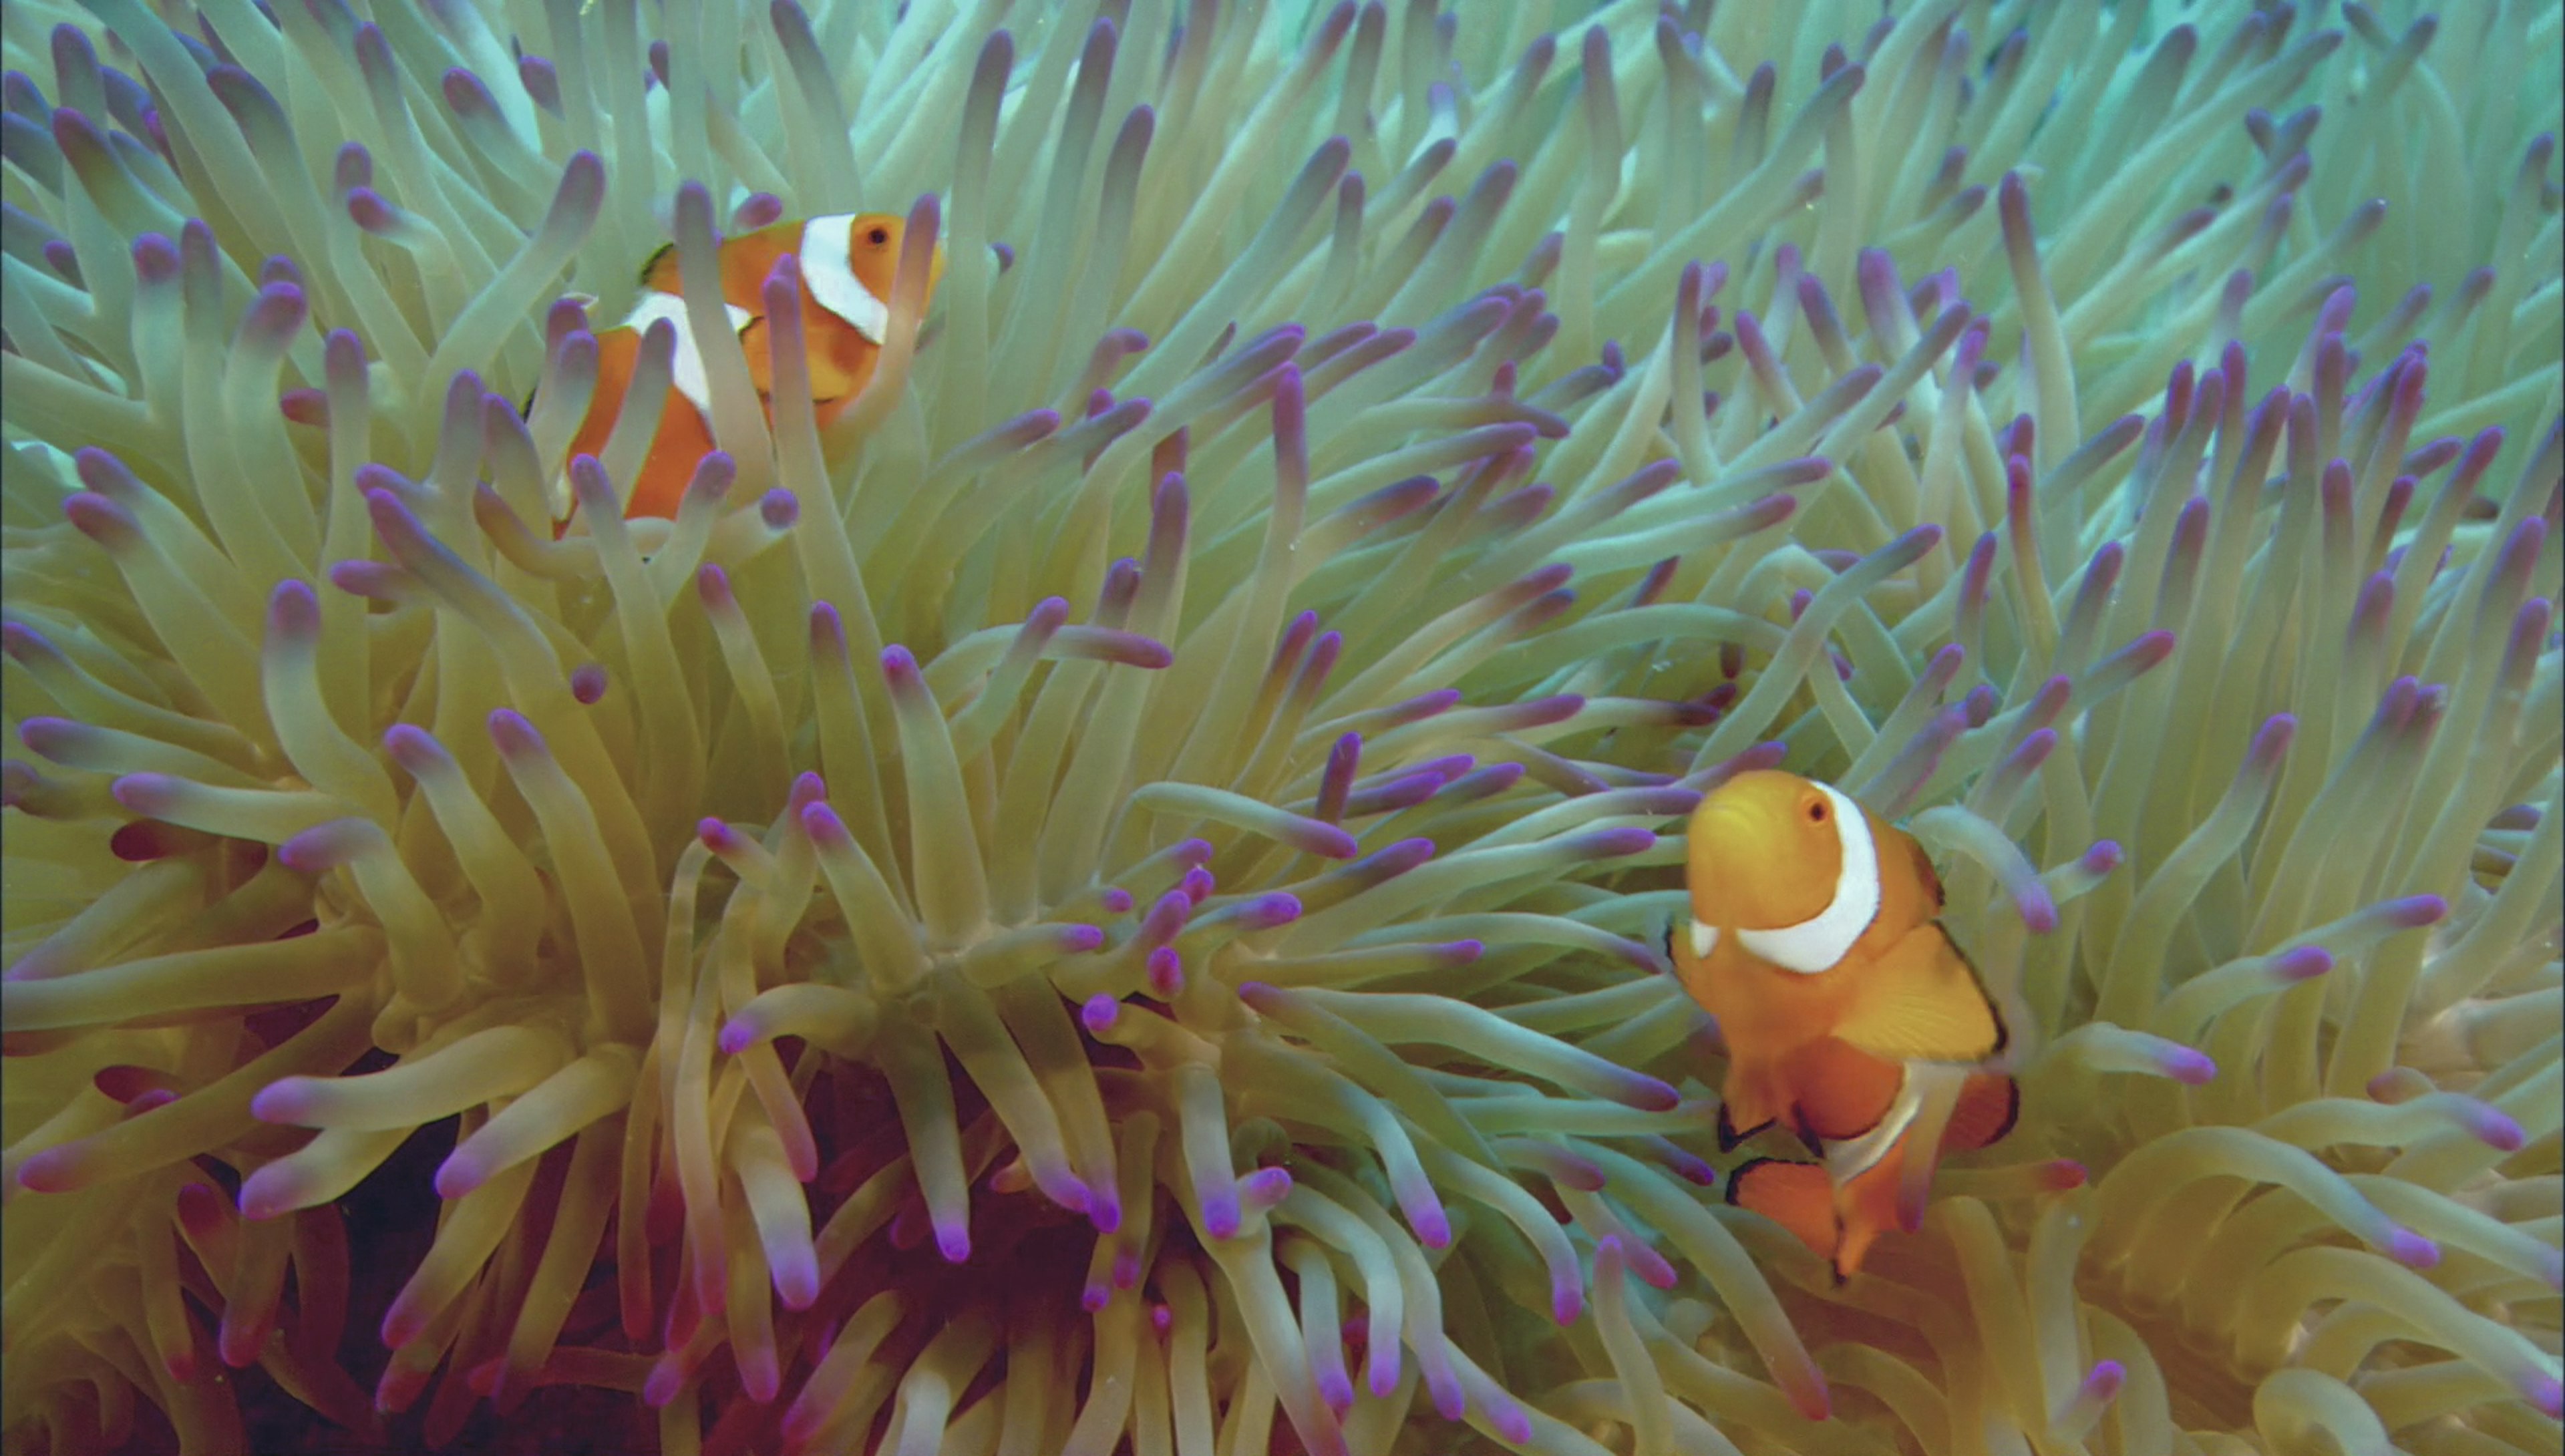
(1797,1197)
(1990,1103)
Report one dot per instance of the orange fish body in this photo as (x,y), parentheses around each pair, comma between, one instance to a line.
(1813,941)
(847,262)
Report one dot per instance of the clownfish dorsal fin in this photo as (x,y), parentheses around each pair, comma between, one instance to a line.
(1820,942)
(1921,1001)
(828,271)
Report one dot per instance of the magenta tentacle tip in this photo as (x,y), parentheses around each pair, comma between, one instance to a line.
(1433,1228)
(2039,908)
(514,736)
(1166,971)
(1100,1012)
(1103,1208)
(1219,1216)
(1449,1401)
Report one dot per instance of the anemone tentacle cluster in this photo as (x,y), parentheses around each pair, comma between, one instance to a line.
(1111,897)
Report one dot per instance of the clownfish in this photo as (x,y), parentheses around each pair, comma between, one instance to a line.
(847,262)
(1845,1005)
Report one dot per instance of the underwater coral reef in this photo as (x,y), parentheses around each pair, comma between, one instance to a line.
(1106,890)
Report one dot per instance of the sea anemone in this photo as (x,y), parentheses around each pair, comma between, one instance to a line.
(1109,896)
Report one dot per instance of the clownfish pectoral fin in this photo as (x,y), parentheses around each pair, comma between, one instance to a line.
(1990,1103)
(1923,1002)
(1797,1197)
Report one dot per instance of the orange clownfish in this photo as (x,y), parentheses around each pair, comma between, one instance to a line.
(1815,941)
(847,262)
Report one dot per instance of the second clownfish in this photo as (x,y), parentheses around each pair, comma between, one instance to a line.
(847,262)
(1815,940)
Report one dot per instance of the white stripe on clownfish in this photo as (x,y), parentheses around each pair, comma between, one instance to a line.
(1705,940)
(828,271)
(1818,943)
(685,366)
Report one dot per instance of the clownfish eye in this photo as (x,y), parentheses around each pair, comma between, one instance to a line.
(878,237)
(1816,811)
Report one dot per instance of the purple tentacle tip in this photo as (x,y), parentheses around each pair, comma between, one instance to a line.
(2302,964)
(2495,1128)
(2187,1066)
(1433,1228)
(2414,911)
(1099,1012)
(1269,911)
(1219,1217)
(2545,1393)
(952,1241)
(2103,857)
(2412,1249)
(2038,909)
(1166,972)
(1265,1186)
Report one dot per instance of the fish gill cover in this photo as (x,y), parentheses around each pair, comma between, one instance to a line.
(1109,898)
